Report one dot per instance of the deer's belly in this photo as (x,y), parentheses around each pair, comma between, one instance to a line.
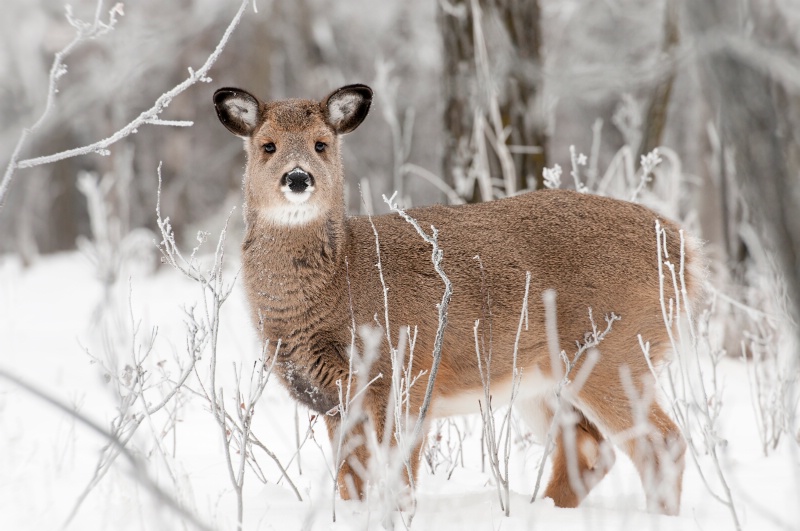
(532,387)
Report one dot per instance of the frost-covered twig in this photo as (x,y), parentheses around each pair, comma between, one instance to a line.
(206,328)
(255,441)
(204,334)
(398,414)
(396,423)
(576,160)
(351,420)
(491,438)
(770,386)
(552,177)
(132,385)
(648,163)
(83,31)
(436,258)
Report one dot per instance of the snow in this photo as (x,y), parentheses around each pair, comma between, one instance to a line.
(53,312)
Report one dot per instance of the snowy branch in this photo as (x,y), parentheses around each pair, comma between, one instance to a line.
(436,257)
(147,117)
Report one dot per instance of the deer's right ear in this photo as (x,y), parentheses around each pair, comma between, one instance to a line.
(238,110)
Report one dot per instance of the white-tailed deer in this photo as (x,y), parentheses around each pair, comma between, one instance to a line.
(310,271)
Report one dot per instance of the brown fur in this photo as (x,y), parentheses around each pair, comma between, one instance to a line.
(593,251)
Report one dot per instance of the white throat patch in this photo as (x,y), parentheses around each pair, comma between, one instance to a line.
(296,198)
(293,214)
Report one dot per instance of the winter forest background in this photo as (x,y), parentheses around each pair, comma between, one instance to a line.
(106,418)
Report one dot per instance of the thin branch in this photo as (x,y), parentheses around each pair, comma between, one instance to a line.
(84,31)
(435,180)
(436,257)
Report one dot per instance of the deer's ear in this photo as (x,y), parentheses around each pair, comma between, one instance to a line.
(238,110)
(345,108)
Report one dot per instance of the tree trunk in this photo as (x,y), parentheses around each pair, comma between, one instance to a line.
(520,18)
(517,92)
(655,118)
(459,84)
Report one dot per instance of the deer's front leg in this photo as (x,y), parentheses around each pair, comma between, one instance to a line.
(350,454)
(351,441)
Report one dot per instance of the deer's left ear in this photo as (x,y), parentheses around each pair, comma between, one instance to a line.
(345,108)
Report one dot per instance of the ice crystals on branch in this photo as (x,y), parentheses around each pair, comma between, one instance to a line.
(172,123)
(648,166)
(198,76)
(97,27)
(650,161)
(552,177)
(118,9)
(577,160)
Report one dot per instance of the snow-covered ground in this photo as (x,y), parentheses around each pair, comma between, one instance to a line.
(52,313)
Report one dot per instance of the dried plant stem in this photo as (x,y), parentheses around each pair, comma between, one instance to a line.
(693,406)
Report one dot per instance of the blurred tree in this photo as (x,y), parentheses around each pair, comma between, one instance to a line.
(518,88)
(757,113)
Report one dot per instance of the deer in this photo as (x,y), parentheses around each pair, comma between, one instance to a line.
(309,272)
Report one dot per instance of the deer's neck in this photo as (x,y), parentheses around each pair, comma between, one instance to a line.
(291,270)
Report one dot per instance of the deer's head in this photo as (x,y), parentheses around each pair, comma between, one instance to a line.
(294,166)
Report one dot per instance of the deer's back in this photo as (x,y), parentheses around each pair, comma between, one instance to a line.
(594,252)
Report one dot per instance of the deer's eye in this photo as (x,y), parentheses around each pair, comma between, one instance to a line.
(320,146)
(269,147)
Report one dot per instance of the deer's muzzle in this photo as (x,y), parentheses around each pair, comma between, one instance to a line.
(298,180)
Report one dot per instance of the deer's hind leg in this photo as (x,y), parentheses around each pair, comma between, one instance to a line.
(581,456)
(639,426)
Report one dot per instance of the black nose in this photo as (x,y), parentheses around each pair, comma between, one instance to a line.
(298,180)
